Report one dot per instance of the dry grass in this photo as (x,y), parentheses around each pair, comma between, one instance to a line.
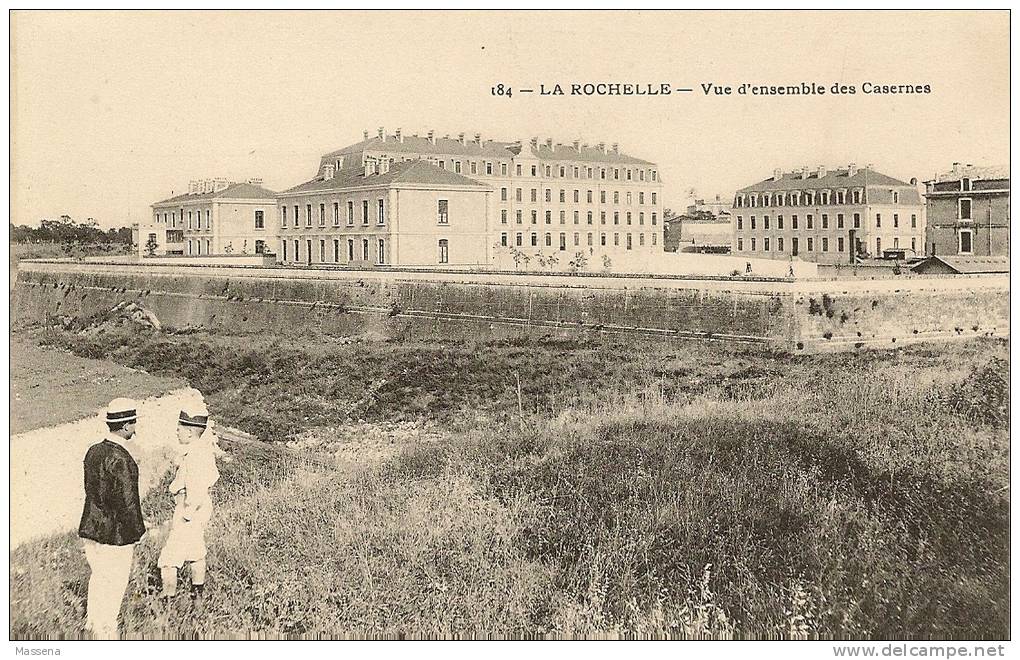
(716,493)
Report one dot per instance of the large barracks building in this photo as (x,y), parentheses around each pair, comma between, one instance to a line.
(410,200)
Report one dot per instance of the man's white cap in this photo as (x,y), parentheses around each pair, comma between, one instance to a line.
(121,410)
(194,413)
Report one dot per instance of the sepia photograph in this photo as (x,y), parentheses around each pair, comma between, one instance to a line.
(510,325)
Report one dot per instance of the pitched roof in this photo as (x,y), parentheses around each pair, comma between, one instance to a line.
(408,172)
(968,265)
(976,173)
(232,191)
(491,148)
(833,179)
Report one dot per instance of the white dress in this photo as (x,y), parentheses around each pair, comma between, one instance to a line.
(196,473)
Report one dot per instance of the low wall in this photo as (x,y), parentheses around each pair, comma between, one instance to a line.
(798,316)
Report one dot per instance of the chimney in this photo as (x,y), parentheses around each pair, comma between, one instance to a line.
(400,135)
(327,171)
(822,171)
(852,170)
(220,184)
(384,166)
(804,172)
(548,143)
(777,174)
(602,147)
(255,181)
(577,145)
(432,137)
(366,136)
(616,147)
(369,167)
(478,139)
(956,168)
(382,134)
(534,143)
(192,187)
(460,138)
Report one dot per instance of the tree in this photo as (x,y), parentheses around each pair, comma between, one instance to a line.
(579,262)
(607,263)
(151,246)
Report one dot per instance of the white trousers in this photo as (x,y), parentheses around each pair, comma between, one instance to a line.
(111,569)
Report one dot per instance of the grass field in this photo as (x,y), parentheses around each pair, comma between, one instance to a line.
(551,487)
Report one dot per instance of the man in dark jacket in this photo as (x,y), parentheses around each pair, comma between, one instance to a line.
(111,522)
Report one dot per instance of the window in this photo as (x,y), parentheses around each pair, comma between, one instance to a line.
(602,196)
(563,217)
(502,239)
(534,195)
(518,194)
(913,245)
(382,212)
(380,258)
(895,197)
(563,172)
(966,241)
(590,218)
(641,218)
(520,218)
(629,199)
(779,222)
(208,223)
(364,249)
(548,171)
(602,217)
(895,220)
(502,194)
(350,213)
(825,244)
(563,195)
(548,194)
(336,251)
(654,239)
(534,170)
(456,166)
(534,240)
(965,209)
(628,217)
(602,238)
(839,221)
(577,217)
(965,184)
(765,245)
(630,244)
(534,217)
(616,197)
(502,216)
(548,217)
(444,213)
(284,244)
(488,168)
(616,239)
(654,221)
(810,221)
(740,222)
(839,244)
(336,214)
(548,240)
(563,241)
(577,196)
(364,212)
(322,215)
(322,251)
(350,249)
(766,220)
(779,244)
(518,173)
(260,220)
(740,244)
(519,239)
(591,239)
(641,198)
(589,196)
(913,221)
(793,222)
(810,244)
(754,245)
(297,250)
(878,247)
(474,167)
(502,169)
(616,217)
(825,221)
(857,220)
(896,243)
(308,216)
(752,223)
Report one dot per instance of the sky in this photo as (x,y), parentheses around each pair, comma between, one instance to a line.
(112,111)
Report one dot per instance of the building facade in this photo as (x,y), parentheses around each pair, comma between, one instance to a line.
(546,196)
(828,216)
(409,213)
(968,212)
(214,217)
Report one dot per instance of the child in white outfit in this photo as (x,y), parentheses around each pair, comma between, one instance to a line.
(196,473)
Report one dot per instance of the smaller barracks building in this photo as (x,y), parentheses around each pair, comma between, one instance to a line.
(386,212)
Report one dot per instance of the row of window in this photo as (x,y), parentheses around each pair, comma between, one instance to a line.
(767,244)
(804,198)
(195,221)
(298,250)
(504,195)
(504,239)
(489,168)
(442,213)
(589,217)
(810,221)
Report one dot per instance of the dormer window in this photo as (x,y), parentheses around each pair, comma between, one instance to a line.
(857,197)
(965,184)
(895,197)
